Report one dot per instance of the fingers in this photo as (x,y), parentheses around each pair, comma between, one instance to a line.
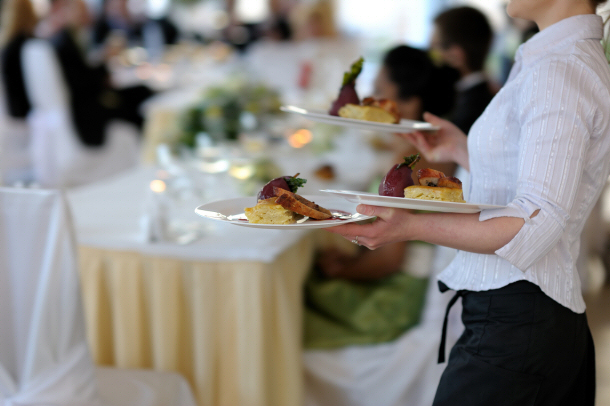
(420,142)
(371,235)
(431,118)
(374,211)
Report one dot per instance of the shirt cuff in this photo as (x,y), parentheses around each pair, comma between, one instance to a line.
(534,240)
(520,208)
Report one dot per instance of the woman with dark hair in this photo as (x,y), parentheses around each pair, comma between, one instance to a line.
(461,38)
(409,77)
(540,149)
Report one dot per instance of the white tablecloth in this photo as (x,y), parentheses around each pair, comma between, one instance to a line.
(108,214)
(224,311)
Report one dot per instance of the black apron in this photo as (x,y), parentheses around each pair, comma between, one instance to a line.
(519,347)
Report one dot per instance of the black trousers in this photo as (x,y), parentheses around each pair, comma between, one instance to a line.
(521,348)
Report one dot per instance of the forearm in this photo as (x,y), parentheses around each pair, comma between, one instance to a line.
(456,230)
(464,231)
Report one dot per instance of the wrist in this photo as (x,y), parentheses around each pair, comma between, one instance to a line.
(413,227)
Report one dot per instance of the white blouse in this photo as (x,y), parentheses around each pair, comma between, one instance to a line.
(542,143)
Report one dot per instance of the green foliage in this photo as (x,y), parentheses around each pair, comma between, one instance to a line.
(410,160)
(295,183)
(354,71)
(220,111)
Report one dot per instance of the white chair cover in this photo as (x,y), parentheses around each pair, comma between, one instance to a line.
(403,372)
(59,158)
(44,356)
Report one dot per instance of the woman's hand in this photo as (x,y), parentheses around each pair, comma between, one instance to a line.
(448,144)
(391,225)
(462,231)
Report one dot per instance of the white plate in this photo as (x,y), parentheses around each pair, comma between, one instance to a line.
(404,126)
(232,211)
(405,203)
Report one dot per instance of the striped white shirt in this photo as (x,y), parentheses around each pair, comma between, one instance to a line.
(542,143)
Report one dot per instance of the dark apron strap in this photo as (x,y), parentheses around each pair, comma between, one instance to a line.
(441,351)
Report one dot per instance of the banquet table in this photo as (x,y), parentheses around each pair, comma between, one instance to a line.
(224,311)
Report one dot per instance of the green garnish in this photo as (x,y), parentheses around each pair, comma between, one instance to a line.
(353,72)
(410,161)
(295,183)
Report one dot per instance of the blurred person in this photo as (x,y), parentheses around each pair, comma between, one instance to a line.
(16,30)
(409,78)
(461,38)
(115,17)
(18,25)
(359,299)
(277,28)
(93,99)
(135,22)
(314,20)
(59,153)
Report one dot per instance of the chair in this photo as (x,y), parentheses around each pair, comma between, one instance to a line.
(44,355)
(59,159)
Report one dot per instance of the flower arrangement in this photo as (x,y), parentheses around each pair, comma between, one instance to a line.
(225,111)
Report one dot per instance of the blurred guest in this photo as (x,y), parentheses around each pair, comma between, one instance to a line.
(409,78)
(18,24)
(462,38)
(116,18)
(16,29)
(314,20)
(94,102)
(277,28)
(133,24)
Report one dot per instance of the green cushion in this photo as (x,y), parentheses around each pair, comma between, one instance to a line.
(340,312)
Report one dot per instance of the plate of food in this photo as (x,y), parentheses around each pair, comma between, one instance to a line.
(366,114)
(278,206)
(409,203)
(433,191)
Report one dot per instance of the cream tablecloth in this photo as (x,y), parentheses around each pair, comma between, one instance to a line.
(224,311)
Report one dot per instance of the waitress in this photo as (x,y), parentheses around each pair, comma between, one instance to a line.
(542,149)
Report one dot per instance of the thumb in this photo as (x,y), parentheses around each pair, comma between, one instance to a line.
(374,211)
(432,119)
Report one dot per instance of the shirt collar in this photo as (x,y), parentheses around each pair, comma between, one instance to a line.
(558,35)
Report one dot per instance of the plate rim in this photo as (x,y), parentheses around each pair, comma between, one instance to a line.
(314,114)
(462,207)
(304,225)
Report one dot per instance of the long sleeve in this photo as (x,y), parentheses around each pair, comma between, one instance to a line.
(555,131)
